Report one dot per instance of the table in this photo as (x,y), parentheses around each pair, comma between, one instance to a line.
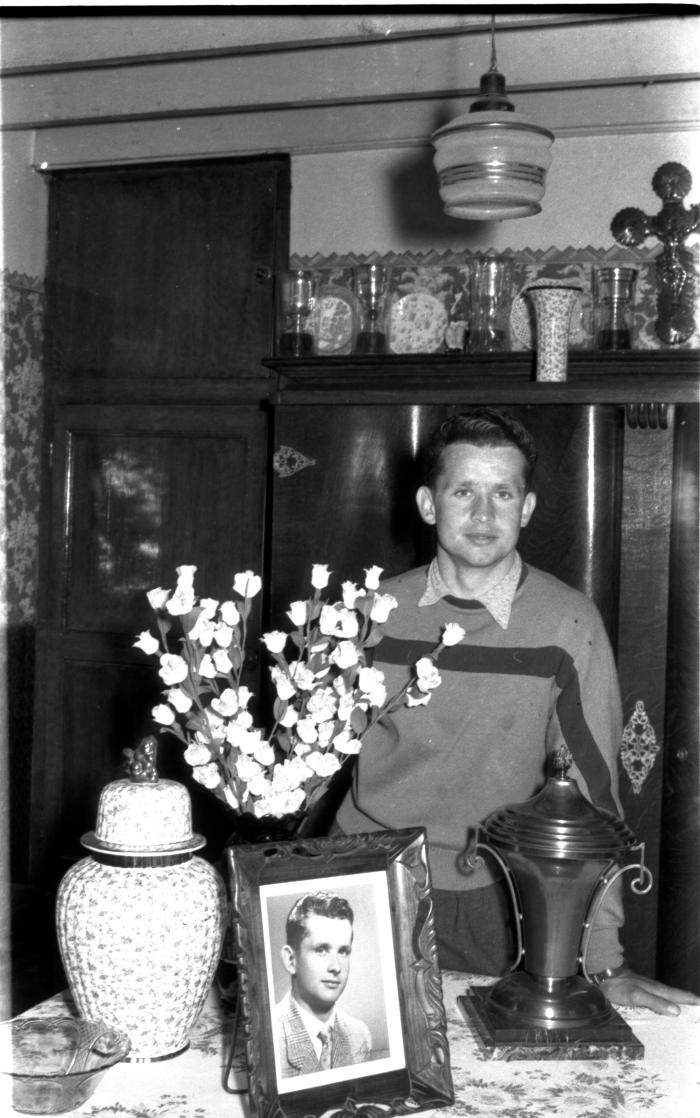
(664,1084)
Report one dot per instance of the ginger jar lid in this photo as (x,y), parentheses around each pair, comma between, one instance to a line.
(142,814)
(559,822)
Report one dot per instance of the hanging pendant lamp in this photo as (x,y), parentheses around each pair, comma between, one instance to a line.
(492,161)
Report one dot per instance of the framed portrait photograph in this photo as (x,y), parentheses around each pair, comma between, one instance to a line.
(340,992)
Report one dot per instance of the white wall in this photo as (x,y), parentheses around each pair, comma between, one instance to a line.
(389,202)
(354,103)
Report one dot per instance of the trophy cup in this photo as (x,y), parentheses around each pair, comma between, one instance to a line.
(560,854)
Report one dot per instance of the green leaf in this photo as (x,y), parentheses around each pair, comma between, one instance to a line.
(358,721)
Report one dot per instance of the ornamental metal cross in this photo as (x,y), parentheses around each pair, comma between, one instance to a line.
(675,272)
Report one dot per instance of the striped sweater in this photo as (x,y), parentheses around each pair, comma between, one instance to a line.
(508,698)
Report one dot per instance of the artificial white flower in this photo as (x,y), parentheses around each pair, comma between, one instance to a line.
(382,607)
(289,718)
(207,668)
(320,576)
(180,700)
(182,600)
(372,577)
(229,613)
(247,584)
(351,592)
(157,598)
(344,655)
(275,641)
(452,634)
(222,661)
(147,643)
(323,764)
(209,607)
(208,775)
(163,714)
(264,753)
(283,684)
(427,675)
(197,754)
(173,669)
(371,683)
(346,742)
(298,613)
(223,635)
(305,729)
(303,677)
(418,699)
(322,705)
(202,630)
(226,704)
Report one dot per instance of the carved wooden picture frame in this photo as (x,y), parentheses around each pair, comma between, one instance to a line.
(393,986)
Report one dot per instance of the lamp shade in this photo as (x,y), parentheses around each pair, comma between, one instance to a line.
(492,162)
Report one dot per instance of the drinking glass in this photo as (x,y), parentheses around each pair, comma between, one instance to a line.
(371,282)
(613,291)
(296,295)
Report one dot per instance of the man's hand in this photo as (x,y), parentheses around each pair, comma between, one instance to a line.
(628,988)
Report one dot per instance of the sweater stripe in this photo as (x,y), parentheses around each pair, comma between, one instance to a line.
(547,662)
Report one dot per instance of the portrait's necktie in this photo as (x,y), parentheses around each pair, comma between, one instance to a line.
(324,1060)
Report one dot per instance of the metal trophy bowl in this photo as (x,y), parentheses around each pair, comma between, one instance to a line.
(559,854)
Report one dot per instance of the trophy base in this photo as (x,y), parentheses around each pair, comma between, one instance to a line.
(501,1038)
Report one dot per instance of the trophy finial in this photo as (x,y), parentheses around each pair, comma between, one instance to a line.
(562,761)
(141,762)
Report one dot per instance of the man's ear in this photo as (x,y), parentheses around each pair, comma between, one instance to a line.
(426,505)
(528,509)
(289,959)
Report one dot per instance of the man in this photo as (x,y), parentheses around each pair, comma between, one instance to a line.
(311,1033)
(535,671)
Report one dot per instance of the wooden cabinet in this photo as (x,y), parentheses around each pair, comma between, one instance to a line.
(616,517)
(160,304)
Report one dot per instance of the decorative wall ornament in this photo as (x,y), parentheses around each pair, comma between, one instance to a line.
(286,461)
(675,274)
(639,747)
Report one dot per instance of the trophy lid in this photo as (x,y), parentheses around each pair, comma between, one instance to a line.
(559,822)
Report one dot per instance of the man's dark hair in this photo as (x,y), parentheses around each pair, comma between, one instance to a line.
(315,904)
(483,427)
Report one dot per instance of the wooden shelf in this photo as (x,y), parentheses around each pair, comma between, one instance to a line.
(593,377)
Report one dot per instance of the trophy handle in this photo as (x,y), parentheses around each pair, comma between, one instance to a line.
(639,885)
(474,860)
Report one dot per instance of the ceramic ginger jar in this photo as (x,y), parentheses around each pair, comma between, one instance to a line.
(140,921)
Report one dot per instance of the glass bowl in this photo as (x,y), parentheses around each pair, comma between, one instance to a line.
(55,1063)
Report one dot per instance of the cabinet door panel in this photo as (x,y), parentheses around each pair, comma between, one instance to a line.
(166,270)
(353,504)
(135,494)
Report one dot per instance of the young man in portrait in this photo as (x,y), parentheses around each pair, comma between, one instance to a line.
(312,1034)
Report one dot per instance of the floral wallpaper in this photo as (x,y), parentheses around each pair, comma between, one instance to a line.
(23,309)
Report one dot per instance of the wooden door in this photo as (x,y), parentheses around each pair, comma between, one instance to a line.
(136,492)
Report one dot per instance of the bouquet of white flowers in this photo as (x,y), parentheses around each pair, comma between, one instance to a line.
(327,693)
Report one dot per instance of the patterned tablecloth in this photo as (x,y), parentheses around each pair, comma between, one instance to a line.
(664,1084)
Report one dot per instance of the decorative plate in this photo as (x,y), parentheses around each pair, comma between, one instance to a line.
(417,323)
(335,321)
(522,313)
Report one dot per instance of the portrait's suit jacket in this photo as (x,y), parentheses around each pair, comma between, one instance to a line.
(352,1040)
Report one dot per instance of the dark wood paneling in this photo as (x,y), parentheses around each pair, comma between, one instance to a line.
(134,496)
(354,504)
(679,879)
(166,270)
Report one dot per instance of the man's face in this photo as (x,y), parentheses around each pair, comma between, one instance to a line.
(478,504)
(321,965)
